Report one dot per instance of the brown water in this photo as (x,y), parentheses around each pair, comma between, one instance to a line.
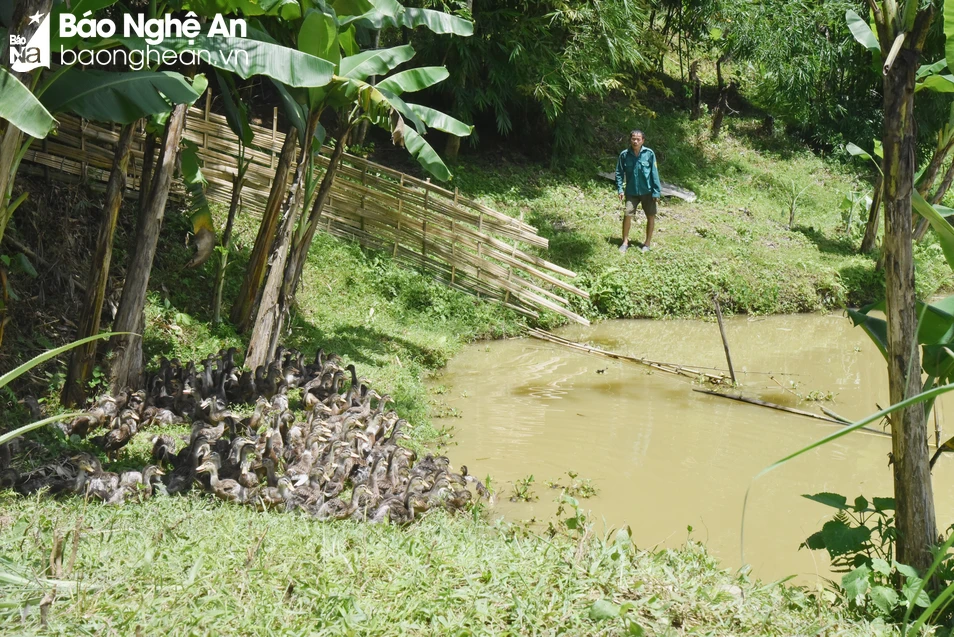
(664,457)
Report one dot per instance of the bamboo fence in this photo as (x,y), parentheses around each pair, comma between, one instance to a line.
(458,241)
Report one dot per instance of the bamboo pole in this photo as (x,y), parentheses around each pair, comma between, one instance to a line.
(725,341)
(669,368)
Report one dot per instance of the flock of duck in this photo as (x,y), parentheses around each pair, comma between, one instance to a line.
(342,460)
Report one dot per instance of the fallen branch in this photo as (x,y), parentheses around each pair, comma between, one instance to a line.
(669,368)
(791,410)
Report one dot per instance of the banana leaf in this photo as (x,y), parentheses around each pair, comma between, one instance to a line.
(425,155)
(935,333)
(21,108)
(441,121)
(117,97)
(949,34)
(414,80)
(45,356)
(236,114)
(936,83)
(375,62)
(861,31)
(286,9)
(944,230)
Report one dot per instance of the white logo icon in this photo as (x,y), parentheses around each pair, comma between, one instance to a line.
(28,55)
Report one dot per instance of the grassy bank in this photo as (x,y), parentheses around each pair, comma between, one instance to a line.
(192,566)
(734,239)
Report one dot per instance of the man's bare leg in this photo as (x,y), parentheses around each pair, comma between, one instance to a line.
(627,221)
(650,226)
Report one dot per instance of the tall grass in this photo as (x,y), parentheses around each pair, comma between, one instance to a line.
(196,566)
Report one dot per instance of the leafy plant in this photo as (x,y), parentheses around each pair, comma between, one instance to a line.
(582,488)
(859,533)
(523,490)
(860,541)
(27,366)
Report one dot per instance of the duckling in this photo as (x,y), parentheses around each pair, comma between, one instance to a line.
(229,490)
(118,437)
(181,479)
(336,509)
(134,484)
(482,490)
(272,383)
(153,416)
(202,430)
(91,479)
(275,497)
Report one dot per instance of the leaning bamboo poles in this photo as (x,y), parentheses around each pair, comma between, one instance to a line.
(669,368)
(458,241)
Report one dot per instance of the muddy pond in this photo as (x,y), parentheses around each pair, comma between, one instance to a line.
(662,457)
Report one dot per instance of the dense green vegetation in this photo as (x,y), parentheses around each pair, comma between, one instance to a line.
(734,240)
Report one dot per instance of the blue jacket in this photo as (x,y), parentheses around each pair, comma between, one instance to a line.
(640,172)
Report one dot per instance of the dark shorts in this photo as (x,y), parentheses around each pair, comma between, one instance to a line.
(633,201)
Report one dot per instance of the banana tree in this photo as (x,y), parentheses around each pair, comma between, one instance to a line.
(353,99)
(900,31)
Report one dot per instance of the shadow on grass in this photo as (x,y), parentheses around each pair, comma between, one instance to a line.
(839,244)
(776,145)
(361,344)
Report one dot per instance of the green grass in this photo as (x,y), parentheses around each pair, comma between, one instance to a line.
(191,566)
(733,240)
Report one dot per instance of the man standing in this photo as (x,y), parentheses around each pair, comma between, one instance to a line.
(638,165)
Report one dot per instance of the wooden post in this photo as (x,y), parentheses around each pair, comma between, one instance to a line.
(208,109)
(725,342)
(937,426)
(424,243)
(83,165)
(271,148)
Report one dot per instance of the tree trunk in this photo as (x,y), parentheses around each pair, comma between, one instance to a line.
(83,357)
(722,104)
(127,362)
(301,247)
(261,345)
(945,185)
(237,184)
(241,314)
(874,217)
(452,148)
(927,180)
(148,162)
(295,264)
(695,110)
(914,501)
(11,136)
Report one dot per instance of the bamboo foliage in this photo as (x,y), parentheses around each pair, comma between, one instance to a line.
(458,241)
